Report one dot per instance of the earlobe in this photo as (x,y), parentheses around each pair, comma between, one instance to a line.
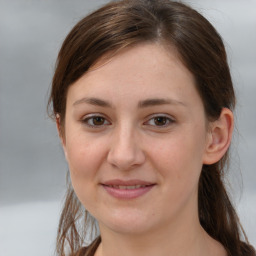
(58,125)
(61,133)
(219,137)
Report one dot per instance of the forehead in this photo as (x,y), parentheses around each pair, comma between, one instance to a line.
(143,70)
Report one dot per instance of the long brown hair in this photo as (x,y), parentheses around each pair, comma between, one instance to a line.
(120,24)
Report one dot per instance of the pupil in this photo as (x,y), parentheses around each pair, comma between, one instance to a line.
(160,120)
(98,120)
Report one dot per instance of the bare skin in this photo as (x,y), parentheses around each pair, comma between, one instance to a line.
(138,120)
(200,244)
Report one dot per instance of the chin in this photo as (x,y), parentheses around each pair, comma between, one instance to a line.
(127,222)
(128,228)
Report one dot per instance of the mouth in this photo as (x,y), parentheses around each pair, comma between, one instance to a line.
(127,189)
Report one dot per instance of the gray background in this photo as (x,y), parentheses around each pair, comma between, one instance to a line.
(32,165)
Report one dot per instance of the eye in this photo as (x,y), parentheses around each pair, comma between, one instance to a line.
(160,121)
(95,121)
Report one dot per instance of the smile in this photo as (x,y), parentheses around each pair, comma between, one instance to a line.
(127,189)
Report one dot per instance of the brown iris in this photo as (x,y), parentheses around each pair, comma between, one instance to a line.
(160,120)
(98,120)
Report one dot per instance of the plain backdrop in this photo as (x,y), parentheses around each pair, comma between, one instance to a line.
(32,165)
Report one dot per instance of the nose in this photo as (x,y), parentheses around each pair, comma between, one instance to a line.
(125,151)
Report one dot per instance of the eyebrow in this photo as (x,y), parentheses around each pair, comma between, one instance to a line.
(141,104)
(156,102)
(93,101)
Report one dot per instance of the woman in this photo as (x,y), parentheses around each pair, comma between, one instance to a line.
(143,100)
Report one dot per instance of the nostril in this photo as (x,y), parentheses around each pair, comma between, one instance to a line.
(125,158)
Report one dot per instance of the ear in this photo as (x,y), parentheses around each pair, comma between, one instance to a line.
(219,137)
(61,133)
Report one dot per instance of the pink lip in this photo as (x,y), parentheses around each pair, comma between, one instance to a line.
(127,193)
(118,182)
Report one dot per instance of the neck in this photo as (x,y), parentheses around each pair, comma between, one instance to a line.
(179,239)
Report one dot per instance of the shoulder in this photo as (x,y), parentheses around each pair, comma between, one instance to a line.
(89,250)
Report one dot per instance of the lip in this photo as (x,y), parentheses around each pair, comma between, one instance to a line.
(118,182)
(111,186)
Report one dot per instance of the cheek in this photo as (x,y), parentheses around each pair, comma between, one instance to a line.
(85,159)
(179,159)
(84,155)
(179,167)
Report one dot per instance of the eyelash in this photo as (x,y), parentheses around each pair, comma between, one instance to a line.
(168,121)
(87,120)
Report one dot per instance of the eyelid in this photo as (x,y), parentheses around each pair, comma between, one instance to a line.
(168,117)
(88,117)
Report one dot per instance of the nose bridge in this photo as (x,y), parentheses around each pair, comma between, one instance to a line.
(125,149)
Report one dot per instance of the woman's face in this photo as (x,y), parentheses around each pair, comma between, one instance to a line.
(135,140)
